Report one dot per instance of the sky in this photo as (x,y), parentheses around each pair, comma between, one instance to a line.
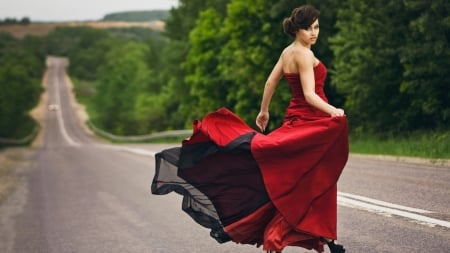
(76,10)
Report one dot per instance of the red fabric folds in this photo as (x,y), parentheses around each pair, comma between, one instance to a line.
(300,163)
(221,127)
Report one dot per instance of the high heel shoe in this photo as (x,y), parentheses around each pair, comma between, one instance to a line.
(335,248)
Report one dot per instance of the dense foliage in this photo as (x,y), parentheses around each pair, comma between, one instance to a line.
(391,61)
(367,62)
(426,62)
(21,71)
(388,64)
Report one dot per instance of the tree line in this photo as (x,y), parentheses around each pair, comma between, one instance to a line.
(388,64)
(15,21)
(21,72)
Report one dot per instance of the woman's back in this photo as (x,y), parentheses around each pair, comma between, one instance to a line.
(289,58)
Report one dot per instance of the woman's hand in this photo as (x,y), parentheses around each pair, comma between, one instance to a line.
(337,112)
(261,120)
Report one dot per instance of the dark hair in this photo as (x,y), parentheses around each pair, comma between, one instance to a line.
(301,18)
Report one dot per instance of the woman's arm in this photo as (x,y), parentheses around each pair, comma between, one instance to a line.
(269,88)
(305,61)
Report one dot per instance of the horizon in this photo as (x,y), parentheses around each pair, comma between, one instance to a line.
(86,20)
(68,11)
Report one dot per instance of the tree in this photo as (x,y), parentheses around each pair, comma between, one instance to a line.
(367,68)
(85,47)
(121,79)
(25,21)
(178,27)
(20,74)
(206,86)
(426,60)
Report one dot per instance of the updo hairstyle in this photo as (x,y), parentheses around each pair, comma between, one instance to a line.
(301,18)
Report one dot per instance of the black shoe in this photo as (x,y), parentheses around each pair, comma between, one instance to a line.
(335,248)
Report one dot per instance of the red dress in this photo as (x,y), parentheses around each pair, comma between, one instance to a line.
(274,190)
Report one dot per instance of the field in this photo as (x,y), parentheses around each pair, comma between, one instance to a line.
(42,29)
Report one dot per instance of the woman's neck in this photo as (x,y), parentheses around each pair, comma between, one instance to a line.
(301,43)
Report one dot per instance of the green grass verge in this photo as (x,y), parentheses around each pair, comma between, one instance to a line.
(435,145)
(85,94)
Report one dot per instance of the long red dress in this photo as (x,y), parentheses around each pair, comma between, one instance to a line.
(274,190)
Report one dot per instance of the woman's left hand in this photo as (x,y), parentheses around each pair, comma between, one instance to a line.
(337,112)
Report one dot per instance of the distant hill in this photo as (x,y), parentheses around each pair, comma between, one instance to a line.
(42,29)
(137,16)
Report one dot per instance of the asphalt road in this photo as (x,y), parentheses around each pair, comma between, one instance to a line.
(83,195)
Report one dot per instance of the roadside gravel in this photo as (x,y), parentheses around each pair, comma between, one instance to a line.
(14,160)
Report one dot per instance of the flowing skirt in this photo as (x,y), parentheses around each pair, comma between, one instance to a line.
(274,190)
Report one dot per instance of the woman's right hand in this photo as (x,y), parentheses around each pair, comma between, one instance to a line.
(261,120)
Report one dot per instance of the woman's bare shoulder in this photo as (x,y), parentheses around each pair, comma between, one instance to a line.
(294,58)
(297,52)
(304,56)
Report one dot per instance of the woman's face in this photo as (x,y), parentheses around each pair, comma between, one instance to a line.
(309,35)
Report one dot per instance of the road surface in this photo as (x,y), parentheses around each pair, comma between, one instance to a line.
(83,195)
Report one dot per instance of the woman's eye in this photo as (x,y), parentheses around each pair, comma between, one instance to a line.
(312,28)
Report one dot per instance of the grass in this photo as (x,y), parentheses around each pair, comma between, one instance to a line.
(85,94)
(434,145)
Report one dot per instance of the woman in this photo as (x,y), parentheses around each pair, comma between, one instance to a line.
(274,190)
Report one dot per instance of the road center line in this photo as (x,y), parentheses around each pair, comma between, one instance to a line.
(60,116)
(374,208)
(382,203)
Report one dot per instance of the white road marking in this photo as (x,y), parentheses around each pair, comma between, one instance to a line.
(388,209)
(382,203)
(61,119)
